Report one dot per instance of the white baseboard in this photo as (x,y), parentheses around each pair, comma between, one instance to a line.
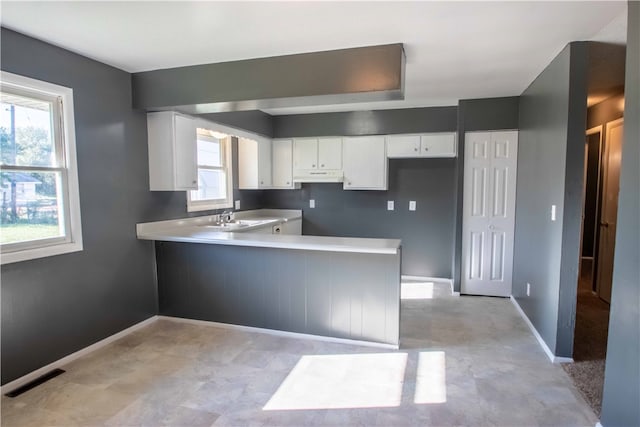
(598,424)
(545,347)
(73,356)
(432,279)
(279,333)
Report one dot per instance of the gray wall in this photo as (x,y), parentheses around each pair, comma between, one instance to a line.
(621,398)
(378,122)
(427,234)
(550,172)
(54,306)
(477,115)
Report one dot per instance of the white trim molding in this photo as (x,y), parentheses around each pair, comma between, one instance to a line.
(545,347)
(433,279)
(279,333)
(10,386)
(69,193)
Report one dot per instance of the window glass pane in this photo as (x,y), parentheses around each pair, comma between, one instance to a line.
(209,152)
(30,206)
(212,185)
(26,131)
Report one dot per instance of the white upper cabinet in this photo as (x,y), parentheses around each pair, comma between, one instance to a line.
(330,153)
(438,145)
(305,153)
(422,145)
(254,164)
(317,153)
(403,146)
(282,163)
(365,163)
(172,143)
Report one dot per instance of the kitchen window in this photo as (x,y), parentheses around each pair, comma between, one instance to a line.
(215,175)
(39,198)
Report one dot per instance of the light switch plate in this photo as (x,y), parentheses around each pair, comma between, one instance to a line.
(237,204)
(553,212)
(412,205)
(390,206)
(312,203)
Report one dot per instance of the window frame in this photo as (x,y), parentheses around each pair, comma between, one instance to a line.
(65,164)
(227,166)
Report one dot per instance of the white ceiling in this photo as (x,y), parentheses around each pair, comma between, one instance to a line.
(454,50)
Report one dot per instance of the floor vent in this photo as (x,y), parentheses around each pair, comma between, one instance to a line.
(35,383)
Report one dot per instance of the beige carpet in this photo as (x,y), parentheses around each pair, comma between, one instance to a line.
(590,342)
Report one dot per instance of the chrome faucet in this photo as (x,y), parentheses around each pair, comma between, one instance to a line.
(225,216)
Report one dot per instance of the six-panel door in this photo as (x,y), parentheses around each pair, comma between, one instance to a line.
(489,212)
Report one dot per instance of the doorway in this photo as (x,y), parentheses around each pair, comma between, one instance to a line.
(603,147)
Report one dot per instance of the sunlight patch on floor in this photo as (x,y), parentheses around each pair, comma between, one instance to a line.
(431,386)
(416,290)
(342,381)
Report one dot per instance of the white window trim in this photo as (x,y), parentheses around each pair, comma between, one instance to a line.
(206,205)
(73,242)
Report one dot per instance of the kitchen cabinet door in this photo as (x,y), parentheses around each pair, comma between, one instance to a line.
(330,153)
(172,144)
(403,146)
(254,164)
(365,163)
(438,145)
(282,163)
(305,154)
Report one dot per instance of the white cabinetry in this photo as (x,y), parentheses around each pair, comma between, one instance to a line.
(438,145)
(403,146)
(330,153)
(317,154)
(422,145)
(365,163)
(254,164)
(282,163)
(172,142)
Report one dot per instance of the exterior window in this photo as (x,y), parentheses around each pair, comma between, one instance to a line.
(215,177)
(39,202)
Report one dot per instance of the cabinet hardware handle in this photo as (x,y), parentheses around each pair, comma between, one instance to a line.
(415,149)
(313,166)
(322,165)
(287,182)
(426,148)
(194,182)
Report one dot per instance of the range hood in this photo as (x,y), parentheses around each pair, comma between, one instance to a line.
(318,176)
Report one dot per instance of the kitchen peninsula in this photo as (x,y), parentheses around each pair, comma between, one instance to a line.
(344,288)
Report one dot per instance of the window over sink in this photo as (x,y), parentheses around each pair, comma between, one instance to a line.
(215,174)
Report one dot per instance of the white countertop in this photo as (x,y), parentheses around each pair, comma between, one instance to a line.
(191,230)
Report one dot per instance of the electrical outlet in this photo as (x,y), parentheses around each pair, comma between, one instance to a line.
(528,289)
(553,212)
(412,205)
(390,205)
(237,204)
(312,203)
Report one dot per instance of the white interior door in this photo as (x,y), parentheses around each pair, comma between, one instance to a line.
(488,220)
(609,209)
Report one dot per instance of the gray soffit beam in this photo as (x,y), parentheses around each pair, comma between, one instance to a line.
(363,74)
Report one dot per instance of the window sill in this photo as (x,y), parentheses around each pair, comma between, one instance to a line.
(40,252)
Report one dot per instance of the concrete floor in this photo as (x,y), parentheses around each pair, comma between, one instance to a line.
(463,361)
